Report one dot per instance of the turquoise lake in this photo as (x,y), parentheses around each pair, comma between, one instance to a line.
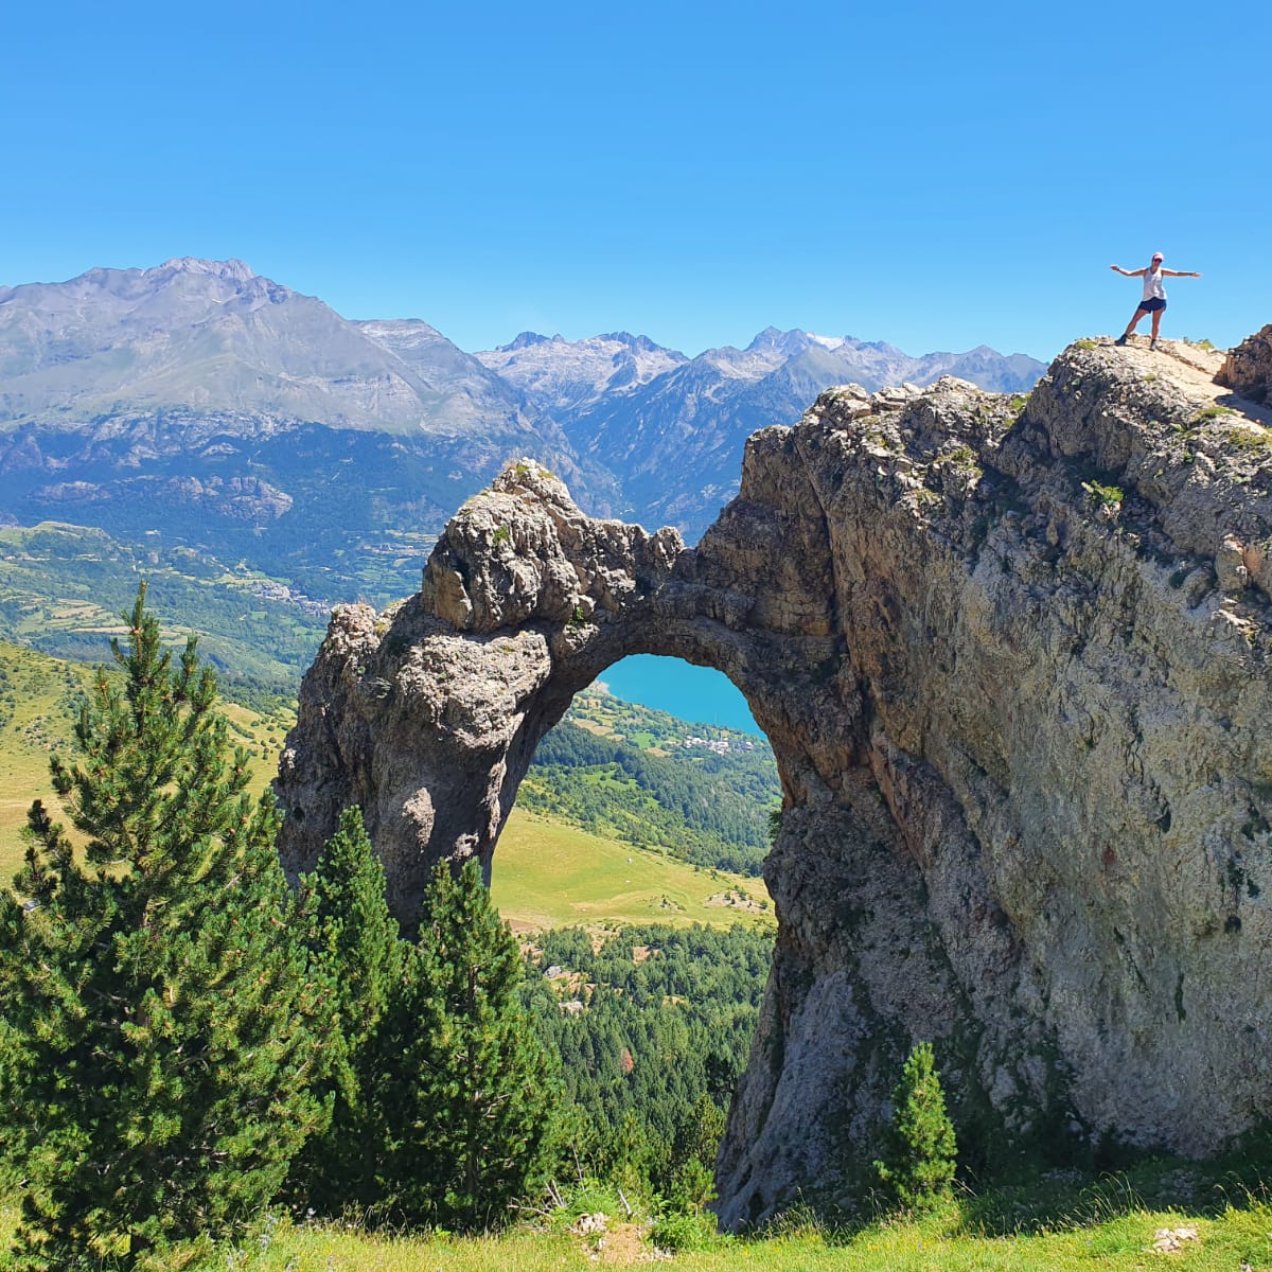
(698,695)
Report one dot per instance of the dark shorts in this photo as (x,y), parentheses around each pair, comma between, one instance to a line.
(1151,306)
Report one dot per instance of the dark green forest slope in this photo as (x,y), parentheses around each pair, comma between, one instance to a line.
(699,792)
(652,1026)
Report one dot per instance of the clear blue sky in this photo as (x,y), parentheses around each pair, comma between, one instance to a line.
(935,174)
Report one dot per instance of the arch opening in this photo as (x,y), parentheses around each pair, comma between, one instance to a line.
(633,813)
(695,694)
(631,867)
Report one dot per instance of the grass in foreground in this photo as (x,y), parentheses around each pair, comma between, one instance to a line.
(1131,1240)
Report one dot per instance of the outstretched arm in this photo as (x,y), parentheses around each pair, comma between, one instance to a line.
(1181,273)
(1129,273)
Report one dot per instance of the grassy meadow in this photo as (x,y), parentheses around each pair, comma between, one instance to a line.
(38,697)
(549,875)
(1111,1231)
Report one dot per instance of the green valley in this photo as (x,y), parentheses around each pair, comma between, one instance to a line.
(63,586)
(698,792)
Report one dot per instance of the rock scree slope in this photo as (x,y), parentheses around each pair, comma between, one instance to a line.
(1012,656)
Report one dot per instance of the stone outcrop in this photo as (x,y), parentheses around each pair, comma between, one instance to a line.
(1013,660)
(1248,367)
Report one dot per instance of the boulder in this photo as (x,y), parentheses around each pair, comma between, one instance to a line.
(1248,367)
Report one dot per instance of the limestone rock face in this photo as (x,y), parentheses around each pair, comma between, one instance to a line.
(523,552)
(1013,660)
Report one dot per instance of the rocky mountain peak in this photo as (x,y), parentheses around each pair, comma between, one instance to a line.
(787,343)
(525,340)
(232,270)
(207,339)
(769,338)
(637,344)
(560,376)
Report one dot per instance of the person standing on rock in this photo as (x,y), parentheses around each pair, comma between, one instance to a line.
(1154,301)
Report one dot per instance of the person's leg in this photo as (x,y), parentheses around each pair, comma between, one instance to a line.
(1157,322)
(1130,326)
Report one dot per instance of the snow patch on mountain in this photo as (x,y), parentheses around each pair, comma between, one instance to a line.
(569,375)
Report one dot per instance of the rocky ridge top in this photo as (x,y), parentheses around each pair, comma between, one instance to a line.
(1248,368)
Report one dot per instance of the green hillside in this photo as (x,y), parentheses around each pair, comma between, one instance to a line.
(39,701)
(549,875)
(63,586)
(38,698)
(701,793)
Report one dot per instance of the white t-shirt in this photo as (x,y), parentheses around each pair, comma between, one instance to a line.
(1154,288)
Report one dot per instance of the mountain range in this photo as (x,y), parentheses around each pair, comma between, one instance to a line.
(202,404)
(673,426)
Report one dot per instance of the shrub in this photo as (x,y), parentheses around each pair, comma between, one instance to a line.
(1104,496)
(680,1230)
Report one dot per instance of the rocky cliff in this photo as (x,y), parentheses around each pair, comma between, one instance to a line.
(1012,658)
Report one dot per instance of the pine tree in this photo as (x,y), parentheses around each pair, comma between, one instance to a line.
(12,1056)
(919,1170)
(354,939)
(471,1105)
(168,1025)
(692,1159)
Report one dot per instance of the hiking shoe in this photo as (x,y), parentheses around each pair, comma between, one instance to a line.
(1121,340)
(1152,344)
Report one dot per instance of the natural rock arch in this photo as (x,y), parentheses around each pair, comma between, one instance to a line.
(429,715)
(992,691)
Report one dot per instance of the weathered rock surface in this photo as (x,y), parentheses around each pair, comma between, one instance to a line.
(1013,661)
(1248,367)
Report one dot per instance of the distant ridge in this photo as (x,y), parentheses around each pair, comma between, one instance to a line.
(213,336)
